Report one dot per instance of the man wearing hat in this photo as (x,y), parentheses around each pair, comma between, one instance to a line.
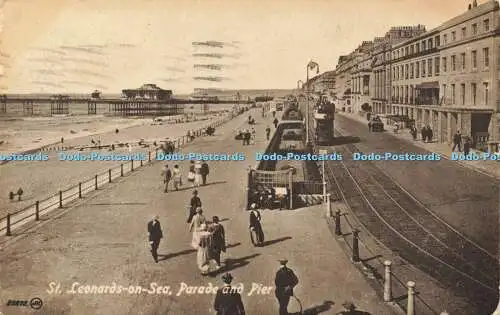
(155,235)
(285,281)
(228,300)
(195,203)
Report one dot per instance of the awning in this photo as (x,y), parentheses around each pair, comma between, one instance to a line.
(428,85)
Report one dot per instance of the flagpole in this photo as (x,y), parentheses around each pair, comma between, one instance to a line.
(310,65)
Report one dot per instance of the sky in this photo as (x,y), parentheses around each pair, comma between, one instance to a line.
(77,46)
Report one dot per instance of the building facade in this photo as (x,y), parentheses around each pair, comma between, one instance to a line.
(448,77)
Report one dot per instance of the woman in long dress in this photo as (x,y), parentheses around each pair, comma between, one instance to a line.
(196,227)
(255,226)
(197,176)
(203,253)
(177,176)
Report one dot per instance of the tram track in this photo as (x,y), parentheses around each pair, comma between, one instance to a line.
(404,224)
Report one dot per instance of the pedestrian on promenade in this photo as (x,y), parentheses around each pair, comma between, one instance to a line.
(429,134)
(423,133)
(255,226)
(191,173)
(413,131)
(285,281)
(268,132)
(467,146)
(275,122)
(253,136)
(155,235)
(204,171)
(177,177)
(203,242)
(188,135)
(274,113)
(227,299)
(197,175)
(457,141)
(193,205)
(195,225)
(167,176)
(218,243)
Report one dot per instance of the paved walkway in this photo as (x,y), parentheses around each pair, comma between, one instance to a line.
(104,240)
(488,167)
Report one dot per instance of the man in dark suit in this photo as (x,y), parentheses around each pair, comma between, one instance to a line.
(195,203)
(228,300)
(285,281)
(155,235)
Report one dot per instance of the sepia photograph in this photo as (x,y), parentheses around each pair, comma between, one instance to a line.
(258,157)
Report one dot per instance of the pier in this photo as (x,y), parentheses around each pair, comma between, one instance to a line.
(64,105)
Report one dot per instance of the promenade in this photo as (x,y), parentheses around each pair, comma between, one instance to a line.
(104,240)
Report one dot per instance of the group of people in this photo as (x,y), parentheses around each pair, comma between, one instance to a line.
(197,175)
(426,133)
(208,238)
(247,136)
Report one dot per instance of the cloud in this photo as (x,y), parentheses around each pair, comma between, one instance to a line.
(211,78)
(87,72)
(74,82)
(83,49)
(49,50)
(47,84)
(209,67)
(210,43)
(86,61)
(174,69)
(50,72)
(209,55)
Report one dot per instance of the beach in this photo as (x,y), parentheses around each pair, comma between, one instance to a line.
(40,179)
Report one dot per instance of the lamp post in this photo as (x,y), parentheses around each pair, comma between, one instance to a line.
(310,66)
(323,152)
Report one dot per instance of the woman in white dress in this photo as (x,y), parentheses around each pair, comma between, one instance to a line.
(197,176)
(204,245)
(196,227)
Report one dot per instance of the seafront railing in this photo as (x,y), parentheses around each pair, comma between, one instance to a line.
(63,197)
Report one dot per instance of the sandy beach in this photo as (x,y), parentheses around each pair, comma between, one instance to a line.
(41,179)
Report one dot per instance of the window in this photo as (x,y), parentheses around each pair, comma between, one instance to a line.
(486,92)
(436,41)
(436,65)
(474,29)
(417,48)
(453,94)
(474,59)
(412,49)
(462,58)
(445,38)
(486,56)
(444,90)
(423,46)
(464,32)
(453,63)
(423,68)
(473,91)
(406,51)
(417,69)
(429,66)
(406,72)
(462,93)
(412,68)
(444,64)
(430,43)
(486,25)
(453,36)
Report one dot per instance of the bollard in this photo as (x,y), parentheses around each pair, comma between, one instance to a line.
(8,225)
(121,169)
(131,165)
(338,230)
(328,206)
(95,182)
(141,162)
(355,246)
(60,199)
(37,210)
(149,156)
(387,281)
(411,298)
(80,190)
(109,175)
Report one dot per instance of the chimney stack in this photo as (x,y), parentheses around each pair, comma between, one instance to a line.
(470,6)
(474,3)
